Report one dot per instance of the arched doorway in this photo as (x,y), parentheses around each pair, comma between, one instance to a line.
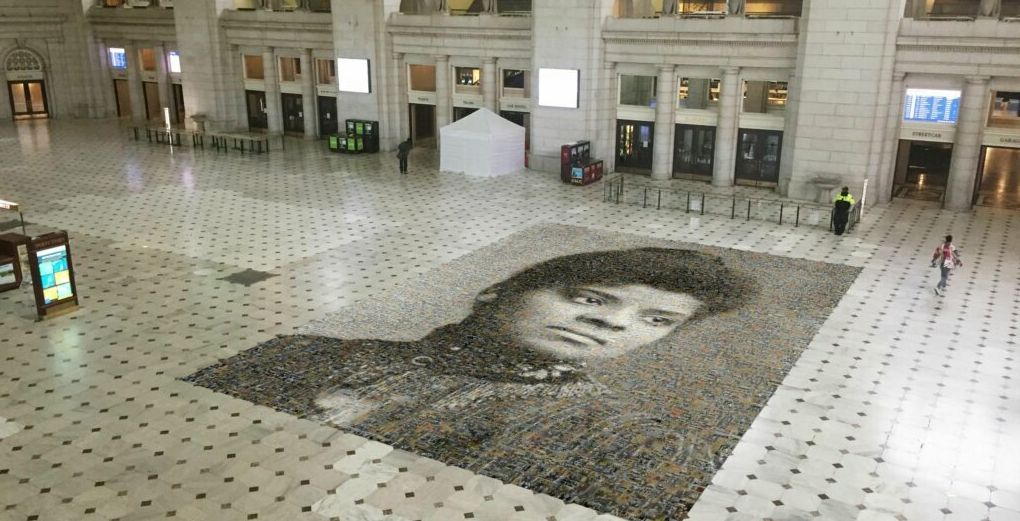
(26,84)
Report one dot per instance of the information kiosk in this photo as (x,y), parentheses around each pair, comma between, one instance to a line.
(49,258)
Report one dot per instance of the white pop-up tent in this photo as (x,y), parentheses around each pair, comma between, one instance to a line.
(483,144)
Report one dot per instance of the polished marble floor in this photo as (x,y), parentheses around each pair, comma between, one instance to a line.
(905,405)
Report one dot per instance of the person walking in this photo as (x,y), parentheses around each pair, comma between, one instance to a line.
(841,206)
(404,150)
(947,258)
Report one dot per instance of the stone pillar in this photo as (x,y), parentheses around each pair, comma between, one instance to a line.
(106,91)
(274,109)
(235,84)
(967,146)
(665,105)
(308,100)
(890,146)
(610,100)
(490,85)
(726,130)
(444,104)
(399,79)
(134,78)
(162,78)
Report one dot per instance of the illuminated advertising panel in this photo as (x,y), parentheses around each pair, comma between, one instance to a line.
(352,75)
(558,88)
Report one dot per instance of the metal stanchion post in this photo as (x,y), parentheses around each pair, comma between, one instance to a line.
(781,212)
(748,209)
(796,223)
(702,203)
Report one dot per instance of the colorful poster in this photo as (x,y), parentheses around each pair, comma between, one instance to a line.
(54,274)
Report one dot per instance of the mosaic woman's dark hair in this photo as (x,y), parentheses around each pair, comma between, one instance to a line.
(701,275)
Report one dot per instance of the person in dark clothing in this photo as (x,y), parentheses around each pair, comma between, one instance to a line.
(404,150)
(841,210)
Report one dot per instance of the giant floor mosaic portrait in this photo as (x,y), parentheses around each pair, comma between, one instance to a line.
(609,370)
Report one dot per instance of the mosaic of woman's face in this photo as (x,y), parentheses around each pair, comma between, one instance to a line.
(597,321)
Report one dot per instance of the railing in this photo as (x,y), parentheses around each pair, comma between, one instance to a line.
(735,206)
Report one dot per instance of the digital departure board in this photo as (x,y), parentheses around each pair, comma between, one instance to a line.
(930,105)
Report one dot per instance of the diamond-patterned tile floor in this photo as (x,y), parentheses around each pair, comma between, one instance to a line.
(905,406)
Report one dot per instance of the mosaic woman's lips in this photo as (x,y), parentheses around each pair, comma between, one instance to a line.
(577,336)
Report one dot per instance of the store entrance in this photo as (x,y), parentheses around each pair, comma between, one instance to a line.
(293,114)
(998,181)
(122,95)
(693,152)
(256,101)
(423,124)
(460,113)
(327,115)
(758,157)
(178,94)
(150,91)
(634,140)
(28,99)
(523,119)
(922,170)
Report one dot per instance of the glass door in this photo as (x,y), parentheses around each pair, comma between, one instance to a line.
(28,99)
(634,145)
(694,152)
(256,101)
(327,115)
(293,114)
(758,156)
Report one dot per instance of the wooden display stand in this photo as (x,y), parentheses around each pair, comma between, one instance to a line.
(49,257)
(10,260)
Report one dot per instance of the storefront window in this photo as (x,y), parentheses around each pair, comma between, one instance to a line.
(319,6)
(326,72)
(1010,9)
(173,59)
(699,93)
(148,59)
(118,58)
(637,90)
(1005,111)
(765,96)
(773,7)
(422,77)
(468,80)
(290,69)
(253,67)
(516,83)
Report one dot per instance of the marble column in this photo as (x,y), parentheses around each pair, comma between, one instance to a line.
(665,105)
(967,145)
(401,126)
(134,78)
(726,129)
(444,103)
(107,90)
(237,86)
(490,85)
(274,106)
(887,163)
(607,150)
(308,100)
(162,79)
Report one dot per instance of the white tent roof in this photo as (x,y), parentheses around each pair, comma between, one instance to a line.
(483,144)
(484,122)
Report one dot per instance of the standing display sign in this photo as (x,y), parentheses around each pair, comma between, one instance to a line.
(49,257)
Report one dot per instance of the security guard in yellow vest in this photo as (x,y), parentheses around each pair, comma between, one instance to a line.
(841,210)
